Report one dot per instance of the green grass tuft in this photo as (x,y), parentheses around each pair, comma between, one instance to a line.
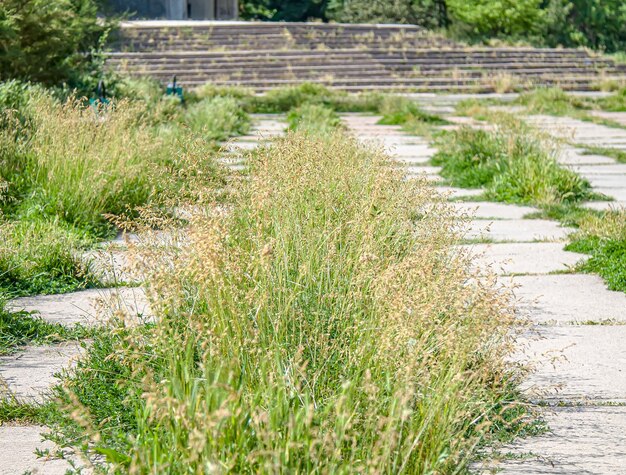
(314,119)
(512,163)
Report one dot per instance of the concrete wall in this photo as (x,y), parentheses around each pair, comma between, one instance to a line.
(178,9)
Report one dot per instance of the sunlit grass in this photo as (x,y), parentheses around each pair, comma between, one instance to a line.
(325,323)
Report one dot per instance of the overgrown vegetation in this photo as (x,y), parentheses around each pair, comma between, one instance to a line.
(19,328)
(512,163)
(322,325)
(67,168)
(314,119)
(51,41)
(603,237)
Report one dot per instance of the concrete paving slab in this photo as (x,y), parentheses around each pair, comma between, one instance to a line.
(618,194)
(567,298)
(517,230)
(17,452)
(581,132)
(608,169)
(580,441)
(412,151)
(238,146)
(452,192)
(29,374)
(619,117)
(415,160)
(88,307)
(489,210)
(577,363)
(577,157)
(421,170)
(607,181)
(605,205)
(524,258)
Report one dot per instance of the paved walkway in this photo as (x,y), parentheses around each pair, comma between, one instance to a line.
(29,374)
(577,343)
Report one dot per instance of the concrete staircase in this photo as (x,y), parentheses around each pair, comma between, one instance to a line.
(351,57)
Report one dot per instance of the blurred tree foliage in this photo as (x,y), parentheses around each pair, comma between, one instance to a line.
(598,24)
(50,41)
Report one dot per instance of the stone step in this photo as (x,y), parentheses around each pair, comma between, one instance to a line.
(426,55)
(377,80)
(355,71)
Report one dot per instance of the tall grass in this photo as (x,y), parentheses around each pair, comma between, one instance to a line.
(67,169)
(40,256)
(325,324)
(314,118)
(513,162)
(217,119)
(552,100)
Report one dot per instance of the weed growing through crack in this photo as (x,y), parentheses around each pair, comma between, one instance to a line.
(512,162)
(603,237)
(19,329)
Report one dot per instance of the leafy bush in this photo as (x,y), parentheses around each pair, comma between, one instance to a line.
(47,40)
(513,163)
(428,13)
(597,24)
(480,19)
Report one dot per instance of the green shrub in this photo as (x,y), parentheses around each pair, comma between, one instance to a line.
(48,41)
(615,102)
(551,101)
(16,102)
(209,91)
(283,99)
(603,237)
(397,110)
